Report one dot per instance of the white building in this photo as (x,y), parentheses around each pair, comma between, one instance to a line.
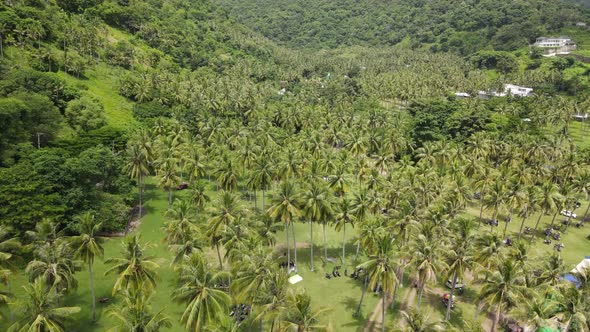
(509,89)
(462,95)
(516,90)
(555,45)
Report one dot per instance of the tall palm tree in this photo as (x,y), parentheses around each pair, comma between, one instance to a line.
(168,178)
(135,313)
(380,269)
(41,311)
(137,167)
(135,269)
(547,201)
(416,321)
(503,288)
(582,186)
(56,264)
(227,210)
(261,177)
(199,290)
(299,312)
(88,246)
(343,217)
(427,260)
(317,207)
(573,308)
(285,208)
(496,198)
(181,220)
(361,210)
(460,257)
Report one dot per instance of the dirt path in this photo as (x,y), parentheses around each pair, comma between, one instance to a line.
(375,321)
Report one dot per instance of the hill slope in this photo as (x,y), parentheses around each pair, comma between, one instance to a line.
(465,26)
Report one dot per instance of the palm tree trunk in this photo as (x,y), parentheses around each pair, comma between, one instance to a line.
(9,307)
(288,247)
(263,200)
(536,226)
(383,310)
(358,309)
(420,292)
(480,209)
(343,242)
(450,302)
(524,218)
(169,197)
(140,197)
(311,244)
(567,325)
(219,256)
(585,213)
(358,248)
(496,319)
(506,226)
(325,243)
(294,245)
(92,291)
(553,220)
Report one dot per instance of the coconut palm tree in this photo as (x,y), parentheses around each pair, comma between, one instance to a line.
(181,220)
(87,246)
(261,177)
(285,208)
(460,257)
(167,174)
(135,269)
(317,207)
(40,311)
(573,308)
(56,264)
(135,313)
(226,211)
(582,185)
(299,312)
(503,288)
(137,167)
(343,217)
(418,322)
(547,201)
(427,259)
(200,290)
(380,268)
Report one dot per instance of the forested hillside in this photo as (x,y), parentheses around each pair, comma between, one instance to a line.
(221,153)
(463,26)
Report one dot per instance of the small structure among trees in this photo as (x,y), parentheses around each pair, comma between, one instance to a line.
(555,45)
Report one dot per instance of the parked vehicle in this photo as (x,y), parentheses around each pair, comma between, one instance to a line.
(568,213)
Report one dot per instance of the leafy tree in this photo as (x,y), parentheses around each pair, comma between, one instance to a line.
(85,114)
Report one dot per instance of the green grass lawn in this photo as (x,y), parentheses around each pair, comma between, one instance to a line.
(341,295)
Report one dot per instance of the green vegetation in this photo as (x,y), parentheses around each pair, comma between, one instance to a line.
(465,27)
(164,168)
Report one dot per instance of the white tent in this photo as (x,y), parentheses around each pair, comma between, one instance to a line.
(295,279)
(584,264)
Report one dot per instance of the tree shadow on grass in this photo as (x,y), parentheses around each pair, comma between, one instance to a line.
(351,304)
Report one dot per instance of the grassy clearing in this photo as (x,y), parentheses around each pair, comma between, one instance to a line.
(101,83)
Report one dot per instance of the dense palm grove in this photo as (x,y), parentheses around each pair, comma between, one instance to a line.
(370,143)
